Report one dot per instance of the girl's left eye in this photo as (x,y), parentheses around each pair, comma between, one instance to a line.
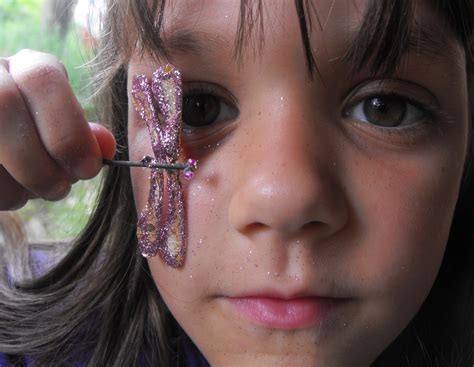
(387,111)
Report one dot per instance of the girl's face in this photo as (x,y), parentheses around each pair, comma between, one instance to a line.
(341,187)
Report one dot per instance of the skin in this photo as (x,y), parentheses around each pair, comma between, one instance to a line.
(59,147)
(296,196)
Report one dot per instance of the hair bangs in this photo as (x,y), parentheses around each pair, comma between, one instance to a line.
(381,42)
(384,35)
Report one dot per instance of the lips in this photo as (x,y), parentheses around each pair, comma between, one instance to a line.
(285,313)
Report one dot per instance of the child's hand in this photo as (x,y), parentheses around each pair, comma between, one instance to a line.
(46,144)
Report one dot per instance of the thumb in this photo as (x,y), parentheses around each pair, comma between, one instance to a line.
(105,139)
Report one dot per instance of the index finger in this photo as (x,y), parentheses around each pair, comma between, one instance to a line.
(59,118)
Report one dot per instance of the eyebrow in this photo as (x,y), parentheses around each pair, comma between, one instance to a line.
(422,40)
(187,41)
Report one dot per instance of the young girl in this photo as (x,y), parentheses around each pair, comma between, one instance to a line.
(328,223)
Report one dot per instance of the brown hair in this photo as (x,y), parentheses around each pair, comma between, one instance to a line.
(108,307)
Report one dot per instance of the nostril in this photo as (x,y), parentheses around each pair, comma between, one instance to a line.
(254,228)
(313,224)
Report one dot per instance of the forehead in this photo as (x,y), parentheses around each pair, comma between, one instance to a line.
(209,26)
(226,18)
(223,10)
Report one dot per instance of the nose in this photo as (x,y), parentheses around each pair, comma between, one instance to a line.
(288,173)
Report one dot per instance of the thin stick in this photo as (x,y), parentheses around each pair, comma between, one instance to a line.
(177,166)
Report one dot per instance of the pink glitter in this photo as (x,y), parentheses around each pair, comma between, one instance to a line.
(162,230)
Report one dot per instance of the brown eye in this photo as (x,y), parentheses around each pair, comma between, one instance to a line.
(202,108)
(387,111)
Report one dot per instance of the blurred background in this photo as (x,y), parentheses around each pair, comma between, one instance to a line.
(67,29)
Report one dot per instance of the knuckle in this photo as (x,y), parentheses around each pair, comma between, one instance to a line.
(65,149)
(26,52)
(49,185)
(41,76)
(59,190)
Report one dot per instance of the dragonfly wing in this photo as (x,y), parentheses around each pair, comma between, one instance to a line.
(167,91)
(150,220)
(144,103)
(173,231)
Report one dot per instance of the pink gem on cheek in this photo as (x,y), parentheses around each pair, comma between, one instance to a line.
(188,175)
(160,229)
(188,172)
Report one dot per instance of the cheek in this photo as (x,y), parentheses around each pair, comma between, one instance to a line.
(407,210)
(189,291)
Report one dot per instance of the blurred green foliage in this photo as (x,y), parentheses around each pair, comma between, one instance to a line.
(10,9)
(20,27)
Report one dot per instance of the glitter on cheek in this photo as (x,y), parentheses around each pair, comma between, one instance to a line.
(161,230)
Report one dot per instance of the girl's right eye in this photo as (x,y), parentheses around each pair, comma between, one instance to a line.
(204,106)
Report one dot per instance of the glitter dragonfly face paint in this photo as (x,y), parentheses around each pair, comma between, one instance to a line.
(161,228)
